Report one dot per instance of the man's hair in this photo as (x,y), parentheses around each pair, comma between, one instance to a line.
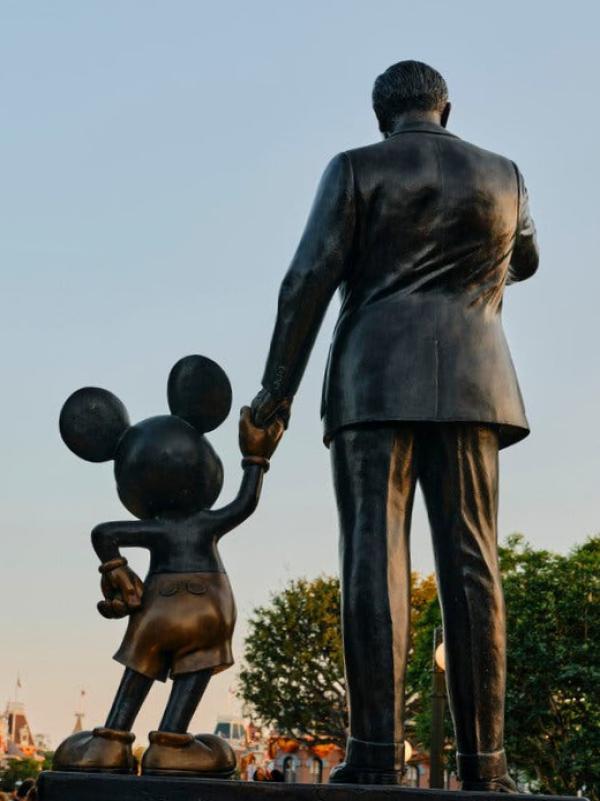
(407,86)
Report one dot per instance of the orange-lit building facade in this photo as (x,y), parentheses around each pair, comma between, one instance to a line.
(16,738)
(301,761)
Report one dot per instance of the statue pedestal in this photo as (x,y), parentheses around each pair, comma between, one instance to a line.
(60,786)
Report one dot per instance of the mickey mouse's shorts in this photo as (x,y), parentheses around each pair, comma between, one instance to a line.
(185,624)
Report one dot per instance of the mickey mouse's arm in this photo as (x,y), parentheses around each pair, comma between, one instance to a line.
(121,587)
(246,501)
(108,537)
(257,446)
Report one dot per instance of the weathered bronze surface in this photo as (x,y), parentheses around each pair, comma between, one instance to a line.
(420,233)
(181,617)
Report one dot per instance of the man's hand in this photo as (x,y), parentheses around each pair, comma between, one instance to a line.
(266,406)
(255,441)
(122,590)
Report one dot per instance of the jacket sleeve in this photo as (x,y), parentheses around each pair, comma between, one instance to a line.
(525,256)
(316,271)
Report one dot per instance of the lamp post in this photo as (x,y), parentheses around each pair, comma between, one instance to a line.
(438,706)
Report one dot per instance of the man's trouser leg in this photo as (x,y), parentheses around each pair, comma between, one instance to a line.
(458,471)
(374,475)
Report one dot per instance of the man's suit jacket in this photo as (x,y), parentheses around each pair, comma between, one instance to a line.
(421,233)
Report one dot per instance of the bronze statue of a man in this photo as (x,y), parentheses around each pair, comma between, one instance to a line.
(421,233)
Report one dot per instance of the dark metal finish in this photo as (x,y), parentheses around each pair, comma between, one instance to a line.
(91,423)
(186,694)
(130,696)
(376,469)
(91,787)
(193,477)
(420,233)
(199,392)
(182,616)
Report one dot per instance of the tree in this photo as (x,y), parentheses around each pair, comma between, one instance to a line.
(553,699)
(419,675)
(553,683)
(293,673)
(17,771)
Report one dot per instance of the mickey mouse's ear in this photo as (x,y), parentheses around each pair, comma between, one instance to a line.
(199,392)
(91,423)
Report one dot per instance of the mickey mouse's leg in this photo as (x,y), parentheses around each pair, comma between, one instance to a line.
(174,751)
(107,749)
(130,696)
(186,694)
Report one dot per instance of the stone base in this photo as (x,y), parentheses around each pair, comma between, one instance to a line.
(62,786)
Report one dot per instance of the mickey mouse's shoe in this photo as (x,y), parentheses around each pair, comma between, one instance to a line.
(183,754)
(101,750)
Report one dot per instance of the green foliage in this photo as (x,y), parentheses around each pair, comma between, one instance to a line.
(17,771)
(293,674)
(553,698)
(419,677)
(293,677)
(553,685)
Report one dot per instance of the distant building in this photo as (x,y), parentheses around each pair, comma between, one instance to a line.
(235,731)
(304,762)
(16,738)
(42,742)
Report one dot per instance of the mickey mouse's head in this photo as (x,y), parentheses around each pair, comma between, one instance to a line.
(164,466)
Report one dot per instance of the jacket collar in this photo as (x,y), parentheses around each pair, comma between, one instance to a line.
(422,127)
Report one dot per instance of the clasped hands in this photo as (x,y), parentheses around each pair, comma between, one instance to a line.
(121,587)
(260,431)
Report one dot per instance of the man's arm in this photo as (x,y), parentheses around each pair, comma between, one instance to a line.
(316,271)
(525,256)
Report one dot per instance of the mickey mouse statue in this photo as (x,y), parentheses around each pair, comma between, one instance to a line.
(181,617)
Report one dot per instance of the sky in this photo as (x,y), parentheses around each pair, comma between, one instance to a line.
(158,160)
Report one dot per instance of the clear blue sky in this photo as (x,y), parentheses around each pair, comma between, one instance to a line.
(157,163)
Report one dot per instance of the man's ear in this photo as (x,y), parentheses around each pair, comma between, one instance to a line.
(445,115)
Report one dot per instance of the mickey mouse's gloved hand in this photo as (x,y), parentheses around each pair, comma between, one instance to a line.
(122,589)
(259,442)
